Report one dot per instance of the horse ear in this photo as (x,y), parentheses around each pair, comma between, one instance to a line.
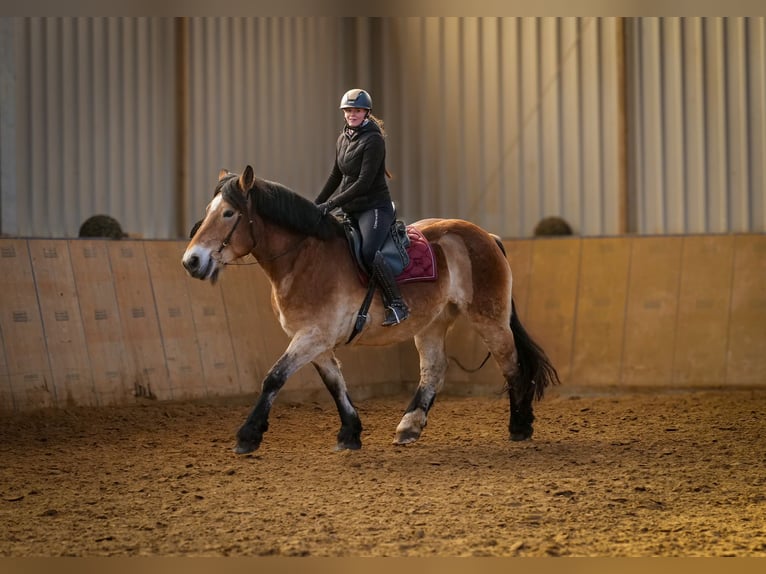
(223,173)
(247,179)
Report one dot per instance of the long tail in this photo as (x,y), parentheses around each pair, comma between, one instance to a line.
(536,372)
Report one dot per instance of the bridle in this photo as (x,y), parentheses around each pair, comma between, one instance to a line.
(227,240)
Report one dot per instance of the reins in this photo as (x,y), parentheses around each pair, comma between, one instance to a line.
(271,258)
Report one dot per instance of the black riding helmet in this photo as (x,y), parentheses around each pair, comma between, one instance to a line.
(356,98)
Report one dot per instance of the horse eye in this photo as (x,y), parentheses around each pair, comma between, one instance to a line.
(228,213)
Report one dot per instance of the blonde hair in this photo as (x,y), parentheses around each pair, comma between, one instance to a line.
(383,131)
(377,121)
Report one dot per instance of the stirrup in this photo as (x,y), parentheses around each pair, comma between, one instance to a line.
(395,314)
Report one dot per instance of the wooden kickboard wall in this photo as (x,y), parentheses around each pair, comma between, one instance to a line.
(99,322)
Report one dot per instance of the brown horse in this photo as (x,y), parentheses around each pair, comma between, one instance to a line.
(316,293)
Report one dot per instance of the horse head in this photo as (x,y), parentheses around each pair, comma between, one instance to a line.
(221,237)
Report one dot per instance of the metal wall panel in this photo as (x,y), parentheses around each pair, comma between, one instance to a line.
(698,119)
(504,121)
(95,125)
(265,92)
(498,120)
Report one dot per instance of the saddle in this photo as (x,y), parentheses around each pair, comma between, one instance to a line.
(406,250)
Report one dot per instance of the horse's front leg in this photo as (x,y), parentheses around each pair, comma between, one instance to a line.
(302,349)
(349,435)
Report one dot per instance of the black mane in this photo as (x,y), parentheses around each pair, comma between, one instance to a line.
(279,204)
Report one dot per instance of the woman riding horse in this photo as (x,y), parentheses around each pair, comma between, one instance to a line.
(360,171)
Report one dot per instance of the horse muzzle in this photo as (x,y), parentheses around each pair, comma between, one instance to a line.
(200,264)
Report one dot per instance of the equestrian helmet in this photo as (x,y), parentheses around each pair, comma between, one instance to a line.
(356,98)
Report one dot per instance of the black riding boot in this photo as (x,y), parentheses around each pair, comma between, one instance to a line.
(396,309)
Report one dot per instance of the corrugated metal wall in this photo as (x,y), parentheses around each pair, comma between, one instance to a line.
(265,92)
(498,120)
(504,121)
(95,124)
(698,129)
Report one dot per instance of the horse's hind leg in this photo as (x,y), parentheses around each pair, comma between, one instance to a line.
(501,343)
(433,366)
(534,373)
(349,435)
(521,395)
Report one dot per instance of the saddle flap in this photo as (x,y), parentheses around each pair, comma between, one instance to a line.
(407,251)
(394,249)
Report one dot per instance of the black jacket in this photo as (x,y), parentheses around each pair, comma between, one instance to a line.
(359,170)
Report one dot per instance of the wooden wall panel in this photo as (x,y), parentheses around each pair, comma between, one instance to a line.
(519,254)
(112,368)
(251,322)
(60,311)
(703,310)
(747,330)
(29,373)
(212,331)
(650,322)
(600,318)
(6,392)
(174,312)
(124,317)
(140,327)
(550,313)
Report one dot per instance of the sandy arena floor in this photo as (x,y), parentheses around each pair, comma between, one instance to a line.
(673,474)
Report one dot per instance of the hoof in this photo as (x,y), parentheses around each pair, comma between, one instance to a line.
(410,427)
(245,447)
(521,435)
(341,446)
(406,437)
(353,443)
(349,438)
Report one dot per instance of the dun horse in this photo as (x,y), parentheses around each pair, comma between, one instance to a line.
(316,293)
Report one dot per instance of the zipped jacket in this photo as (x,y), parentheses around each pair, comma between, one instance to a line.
(359,171)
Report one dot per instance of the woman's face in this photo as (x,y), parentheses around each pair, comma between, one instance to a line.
(354,116)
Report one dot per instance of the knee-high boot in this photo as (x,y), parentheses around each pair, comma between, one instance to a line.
(396,309)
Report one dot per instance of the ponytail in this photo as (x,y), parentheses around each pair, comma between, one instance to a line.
(383,131)
(377,121)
